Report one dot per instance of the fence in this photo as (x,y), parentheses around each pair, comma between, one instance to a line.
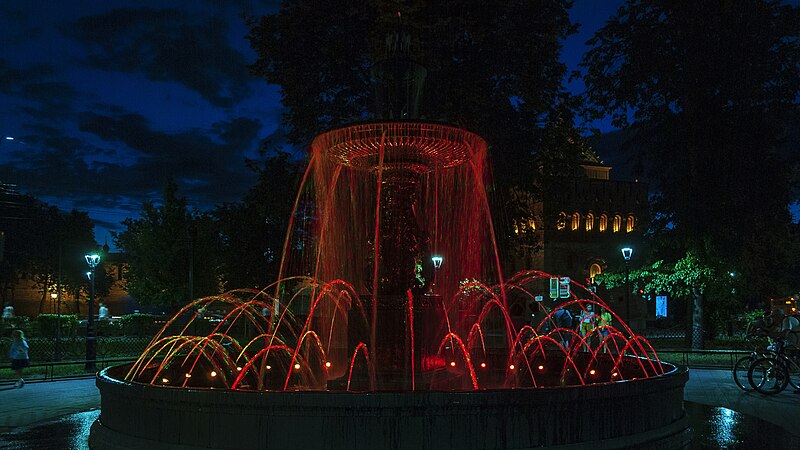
(46,365)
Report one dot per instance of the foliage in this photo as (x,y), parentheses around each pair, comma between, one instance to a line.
(171,252)
(15,323)
(47,324)
(479,57)
(44,244)
(712,88)
(253,231)
(139,324)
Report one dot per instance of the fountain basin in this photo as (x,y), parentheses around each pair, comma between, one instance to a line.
(626,414)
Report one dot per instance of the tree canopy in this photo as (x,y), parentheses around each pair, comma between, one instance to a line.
(709,91)
(171,252)
(39,241)
(492,67)
(252,231)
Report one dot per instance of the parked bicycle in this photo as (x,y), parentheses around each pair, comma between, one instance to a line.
(761,348)
(771,373)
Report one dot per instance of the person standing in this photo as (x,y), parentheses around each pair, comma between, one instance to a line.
(103,312)
(604,326)
(586,323)
(18,354)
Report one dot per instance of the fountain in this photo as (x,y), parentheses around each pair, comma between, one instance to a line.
(389,325)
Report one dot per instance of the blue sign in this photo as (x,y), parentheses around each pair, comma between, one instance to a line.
(661,306)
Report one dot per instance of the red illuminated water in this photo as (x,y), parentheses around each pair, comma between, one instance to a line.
(356,307)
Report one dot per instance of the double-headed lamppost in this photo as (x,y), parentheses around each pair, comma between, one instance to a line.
(437,263)
(91,340)
(627,252)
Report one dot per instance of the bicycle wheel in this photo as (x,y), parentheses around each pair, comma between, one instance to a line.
(793,369)
(768,375)
(740,372)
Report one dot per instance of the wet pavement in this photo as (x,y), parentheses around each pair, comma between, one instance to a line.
(58,415)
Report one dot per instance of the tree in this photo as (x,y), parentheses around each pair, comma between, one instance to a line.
(689,277)
(708,91)
(492,67)
(42,243)
(171,252)
(253,230)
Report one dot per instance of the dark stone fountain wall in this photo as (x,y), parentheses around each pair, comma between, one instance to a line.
(646,413)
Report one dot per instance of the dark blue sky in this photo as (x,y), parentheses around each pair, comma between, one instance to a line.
(104,100)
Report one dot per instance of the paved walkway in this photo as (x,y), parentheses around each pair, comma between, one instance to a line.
(39,401)
(42,401)
(716,388)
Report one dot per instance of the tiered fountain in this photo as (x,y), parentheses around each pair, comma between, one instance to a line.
(389,325)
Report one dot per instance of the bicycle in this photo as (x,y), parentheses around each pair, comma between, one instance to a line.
(770,374)
(742,365)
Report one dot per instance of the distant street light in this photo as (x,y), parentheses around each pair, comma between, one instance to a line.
(437,263)
(627,252)
(91,340)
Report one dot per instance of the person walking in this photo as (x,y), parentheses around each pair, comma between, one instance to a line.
(586,323)
(563,320)
(18,354)
(103,312)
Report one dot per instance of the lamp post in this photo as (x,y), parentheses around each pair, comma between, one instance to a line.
(91,340)
(627,252)
(437,263)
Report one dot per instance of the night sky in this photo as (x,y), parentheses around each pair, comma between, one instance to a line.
(101,101)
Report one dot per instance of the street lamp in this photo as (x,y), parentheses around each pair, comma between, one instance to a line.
(437,263)
(57,296)
(91,340)
(627,252)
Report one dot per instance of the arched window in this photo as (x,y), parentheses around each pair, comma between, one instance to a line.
(562,221)
(532,224)
(617,223)
(589,222)
(595,270)
(516,227)
(576,220)
(631,223)
(603,222)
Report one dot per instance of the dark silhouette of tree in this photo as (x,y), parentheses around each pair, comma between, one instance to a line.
(36,237)
(171,252)
(253,230)
(709,90)
(492,67)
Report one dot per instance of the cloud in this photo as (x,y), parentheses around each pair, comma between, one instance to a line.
(167,45)
(209,165)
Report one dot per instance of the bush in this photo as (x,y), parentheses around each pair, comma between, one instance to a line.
(15,323)
(139,324)
(108,327)
(47,324)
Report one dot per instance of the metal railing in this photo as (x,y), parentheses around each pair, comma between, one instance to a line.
(50,369)
(702,359)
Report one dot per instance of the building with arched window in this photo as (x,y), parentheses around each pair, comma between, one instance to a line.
(581,251)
